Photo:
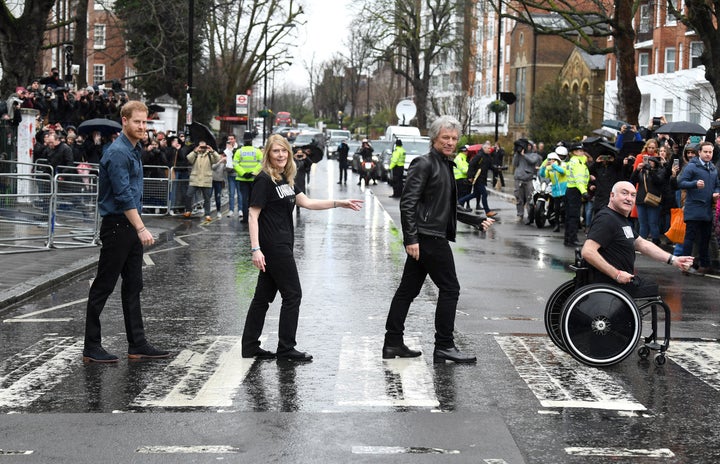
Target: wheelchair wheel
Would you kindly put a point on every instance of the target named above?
(553, 309)
(600, 325)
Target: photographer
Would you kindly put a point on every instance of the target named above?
(649, 177)
(628, 133)
(201, 158)
(303, 165)
(526, 166)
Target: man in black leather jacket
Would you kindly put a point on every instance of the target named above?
(428, 217)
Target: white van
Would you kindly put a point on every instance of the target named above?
(333, 137)
(400, 132)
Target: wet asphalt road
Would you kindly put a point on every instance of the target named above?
(525, 400)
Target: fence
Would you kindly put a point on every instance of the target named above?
(41, 209)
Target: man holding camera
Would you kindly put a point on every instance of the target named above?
(201, 158)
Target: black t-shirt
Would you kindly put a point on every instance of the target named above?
(275, 224)
(616, 237)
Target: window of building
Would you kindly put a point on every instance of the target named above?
(670, 19)
(670, 60)
(645, 19)
(98, 73)
(520, 93)
(643, 64)
(696, 49)
(668, 110)
(99, 36)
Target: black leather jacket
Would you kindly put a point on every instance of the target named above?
(429, 199)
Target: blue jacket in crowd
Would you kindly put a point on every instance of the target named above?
(698, 202)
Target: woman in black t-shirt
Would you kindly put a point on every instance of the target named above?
(274, 196)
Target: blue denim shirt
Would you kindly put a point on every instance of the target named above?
(121, 178)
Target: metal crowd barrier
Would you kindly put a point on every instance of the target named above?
(41, 209)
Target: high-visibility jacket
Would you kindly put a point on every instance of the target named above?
(557, 173)
(247, 159)
(461, 166)
(398, 158)
(578, 175)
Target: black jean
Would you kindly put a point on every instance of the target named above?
(436, 260)
(280, 275)
(698, 232)
(121, 255)
(343, 170)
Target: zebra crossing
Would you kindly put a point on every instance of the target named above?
(209, 373)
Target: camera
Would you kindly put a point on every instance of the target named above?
(656, 121)
(715, 124)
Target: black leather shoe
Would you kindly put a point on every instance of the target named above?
(260, 354)
(573, 243)
(452, 354)
(98, 355)
(556, 229)
(147, 351)
(402, 351)
(294, 355)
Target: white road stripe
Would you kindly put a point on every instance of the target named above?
(620, 452)
(207, 376)
(199, 449)
(365, 379)
(36, 370)
(60, 319)
(47, 310)
(400, 450)
(558, 381)
(15, 452)
(701, 359)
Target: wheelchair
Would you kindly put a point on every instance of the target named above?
(601, 324)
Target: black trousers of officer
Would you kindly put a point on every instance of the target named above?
(343, 164)
(121, 255)
(397, 173)
(573, 205)
(280, 275)
(436, 260)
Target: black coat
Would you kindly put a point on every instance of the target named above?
(429, 199)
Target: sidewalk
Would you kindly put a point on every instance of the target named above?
(25, 274)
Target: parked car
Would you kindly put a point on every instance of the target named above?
(304, 138)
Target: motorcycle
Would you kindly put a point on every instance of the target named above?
(368, 170)
(539, 211)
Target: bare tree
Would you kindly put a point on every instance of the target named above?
(248, 39)
(585, 24)
(20, 41)
(412, 37)
(359, 58)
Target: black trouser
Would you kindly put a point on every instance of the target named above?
(121, 255)
(436, 260)
(698, 232)
(573, 205)
(397, 173)
(343, 170)
(280, 274)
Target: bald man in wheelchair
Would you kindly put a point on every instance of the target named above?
(612, 242)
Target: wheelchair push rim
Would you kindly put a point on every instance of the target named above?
(553, 310)
(600, 325)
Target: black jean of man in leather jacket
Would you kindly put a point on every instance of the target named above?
(429, 199)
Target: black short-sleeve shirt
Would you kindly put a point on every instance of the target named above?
(276, 201)
(615, 234)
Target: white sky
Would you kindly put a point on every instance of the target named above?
(323, 35)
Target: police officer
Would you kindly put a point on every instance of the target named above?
(247, 163)
(397, 166)
(578, 177)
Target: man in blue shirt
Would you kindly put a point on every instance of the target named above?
(123, 236)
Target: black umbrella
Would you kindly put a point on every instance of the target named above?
(200, 132)
(681, 128)
(106, 127)
(596, 146)
(154, 108)
(614, 124)
(317, 148)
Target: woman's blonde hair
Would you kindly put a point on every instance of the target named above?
(290, 169)
(649, 141)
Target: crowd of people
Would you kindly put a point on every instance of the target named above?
(670, 178)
